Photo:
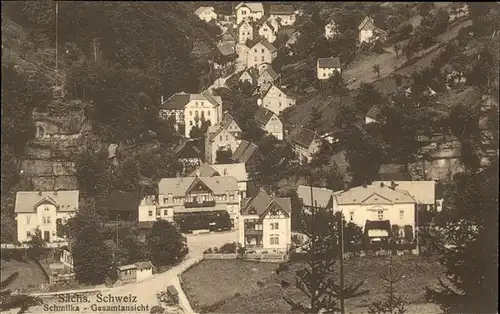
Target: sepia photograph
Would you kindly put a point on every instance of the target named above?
(182, 157)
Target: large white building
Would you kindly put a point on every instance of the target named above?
(325, 67)
(266, 223)
(249, 11)
(44, 211)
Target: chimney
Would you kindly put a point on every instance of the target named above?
(346, 186)
(393, 185)
(198, 173)
(365, 184)
(161, 99)
(381, 184)
(39, 193)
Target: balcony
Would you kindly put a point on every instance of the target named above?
(199, 204)
(251, 232)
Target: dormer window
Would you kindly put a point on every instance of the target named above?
(46, 209)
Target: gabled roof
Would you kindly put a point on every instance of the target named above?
(253, 6)
(186, 149)
(205, 170)
(374, 112)
(275, 87)
(228, 34)
(177, 101)
(424, 192)
(322, 197)
(253, 72)
(262, 202)
(263, 115)
(262, 20)
(244, 152)
(65, 201)
(213, 131)
(365, 21)
(233, 170)
(329, 62)
(267, 45)
(200, 10)
(214, 100)
(373, 194)
(243, 22)
(271, 72)
(303, 137)
(179, 186)
(283, 9)
(119, 201)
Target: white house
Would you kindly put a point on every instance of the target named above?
(277, 100)
(245, 32)
(261, 52)
(368, 31)
(266, 223)
(331, 30)
(144, 270)
(206, 14)
(366, 204)
(266, 30)
(237, 170)
(325, 67)
(266, 78)
(250, 75)
(269, 122)
(249, 10)
(424, 192)
(305, 143)
(284, 13)
(45, 211)
(222, 137)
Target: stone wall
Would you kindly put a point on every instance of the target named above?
(55, 183)
(220, 256)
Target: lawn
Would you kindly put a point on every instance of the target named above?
(30, 274)
(231, 286)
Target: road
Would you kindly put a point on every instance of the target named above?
(146, 290)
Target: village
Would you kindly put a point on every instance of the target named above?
(348, 143)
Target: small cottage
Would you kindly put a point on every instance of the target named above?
(144, 270)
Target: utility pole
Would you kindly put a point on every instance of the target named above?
(57, 28)
(341, 239)
(314, 279)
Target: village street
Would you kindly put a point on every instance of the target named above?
(145, 291)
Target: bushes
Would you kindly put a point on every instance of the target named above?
(228, 248)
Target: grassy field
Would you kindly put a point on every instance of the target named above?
(231, 286)
(30, 274)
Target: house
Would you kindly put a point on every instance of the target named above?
(67, 257)
(284, 14)
(245, 32)
(250, 75)
(228, 36)
(277, 100)
(222, 137)
(266, 78)
(373, 115)
(331, 29)
(245, 153)
(119, 205)
(249, 10)
(424, 192)
(184, 197)
(322, 197)
(265, 223)
(127, 273)
(190, 109)
(261, 52)
(266, 29)
(187, 153)
(206, 14)
(47, 211)
(144, 270)
(368, 32)
(294, 38)
(269, 122)
(305, 143)
(225, 56)
(325, 67)
(237, 171)
(384, 205)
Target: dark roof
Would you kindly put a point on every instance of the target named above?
(205, 170)
(263, 115)
(253, 72)
(226, 49)
(271, 72)
(262, 20)
(329, 62)
(281, 9)
(378, 225)
(266, 44)
(244, 152)
(263, 201)
(374, 112)
(119, 201)
(176, 101)
(394, 172)
(303, 137)
(186, 149)
(143, 265)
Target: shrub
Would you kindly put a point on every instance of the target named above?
(157, 310)
(241, 250)
(228, 248)
(282, 267)
(216, 250)
(264, 252)
(208, 251)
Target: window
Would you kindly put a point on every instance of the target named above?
(44, 219)
(48, 219)
(262, 50)
(221, 137)
(28, 220)
(191, 113)
(165, 212)
(227, 138)
(196, 103)
(208, 113)
(255, 58)
(351, 214)
(280, 104)
(324, 74)
(275, 225)
(255, 50)
(380, 215)
(46, 209)
(191, 123)
(275, 239)
(401, 214)
(262, 59)
(150, 213)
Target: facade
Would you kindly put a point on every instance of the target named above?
(267, 31)
(45, 211)
(305, 143)
(376, 203)
(127, 273)
(325, 67)
(261, 52)
(322, 197)
(330, 30)
(372, 116)
(206, 14)
(119, 205)
(144, 270)
(186, 195)
(266, 223)
(249, 11)
(222, 137)
(285, 14)
(368, 32)
(269, 122)
(266, 78)
(67, 258)
(249, 75)
(276, 100)
(237, 170)
(424, 192)
(245, 32)
(245, 153)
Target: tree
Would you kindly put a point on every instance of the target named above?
(86, 166)
(158, 165)
(471, 259)
(376, 69)
(440, 22)
(129, 175)
(36, 244)
(224, 157)
(315, 118)
(425, 8)
(166, 244)
(367, 97)
(365, 154)
(397, 49)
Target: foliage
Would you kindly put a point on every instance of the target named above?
(166, 244)
(36, 244)
(9, 301)
(157, 165)
(376, 69)
(470, 223)
(229, 248)
(10, 168)
(367, 97)
(315, 118)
